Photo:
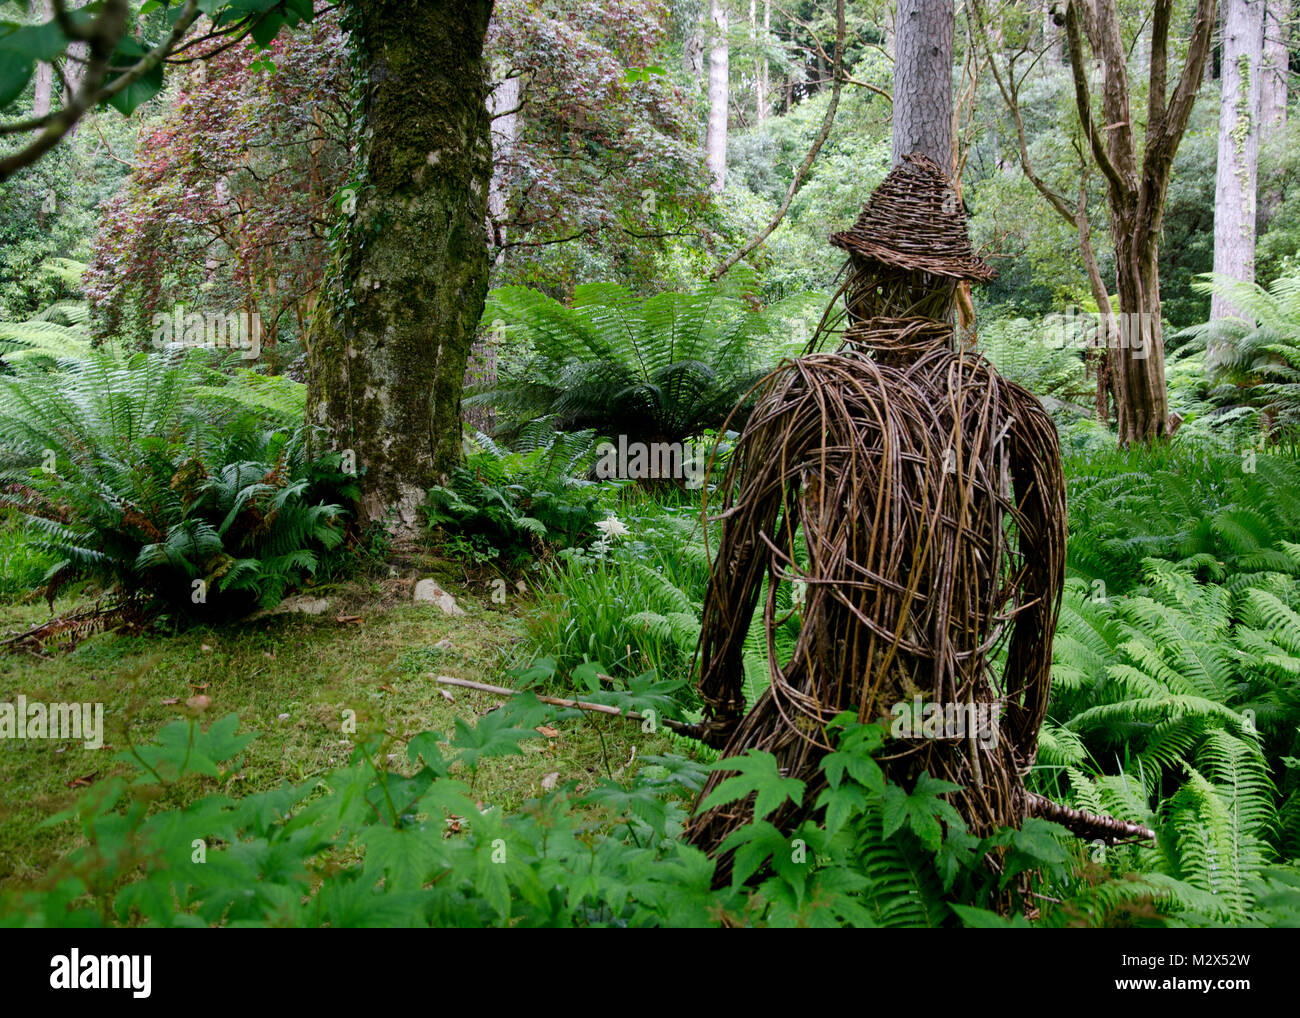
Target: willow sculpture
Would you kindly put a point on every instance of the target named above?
(918, 499)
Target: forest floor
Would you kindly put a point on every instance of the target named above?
(289, 676)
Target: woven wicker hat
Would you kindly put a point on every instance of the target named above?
(913, 221)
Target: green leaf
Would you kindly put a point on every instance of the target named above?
(754, 844)
(425, 747)
(921, 810)
(982, 918)
(35, 42)
(139, 91)
(405, 856)
(15, 71)
(252, 6)
(266, 28)
(854, 756)
(492, 736)
(758, 774)
(640, 802)
(840, 804)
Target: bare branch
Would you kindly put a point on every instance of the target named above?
(1083, 99)
(1011, 98)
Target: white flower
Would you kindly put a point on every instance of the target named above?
(612, 527)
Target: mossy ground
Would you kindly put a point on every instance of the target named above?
(379, 662)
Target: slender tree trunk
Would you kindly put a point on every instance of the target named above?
(715, 138)
(1236, 177)
(1274, 82)
(44, 72)
(762, 62)
(963, 111)
(44, 80)
(390, 342)
(753, 48)
(1275, 72)
(503, 104)
(1052, 44)
(923, 80)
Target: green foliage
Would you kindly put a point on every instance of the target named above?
(44, 341)
(1053, 373)
(276, 398)
(125, 479)
(1260, 363)
(430, 856)
(658, 369)
(1189, 689)
(1224, 511)
(22, 565)
(1278, 242)
(509, 506)
(631, 603)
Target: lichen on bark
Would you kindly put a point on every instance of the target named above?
(407, 285)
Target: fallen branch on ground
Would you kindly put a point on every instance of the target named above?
(1088, 826)
(1081, 823)
(680, 727)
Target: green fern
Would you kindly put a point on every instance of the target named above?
(125, 479)
(1182, 685)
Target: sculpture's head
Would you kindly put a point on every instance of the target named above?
(909, 248)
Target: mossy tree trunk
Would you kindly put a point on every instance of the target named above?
(406, 290)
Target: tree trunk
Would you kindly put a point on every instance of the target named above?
(1275, 73)
(923, 80)
(406, 292)
(1135, 349)
(503, 104)
(44, 72)
(693, 54)
(1053, 49)
(762, 62)
(1136, 193)
(1236, 177)
(715, 138)
(1274, 81)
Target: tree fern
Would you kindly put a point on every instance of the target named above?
(1261, 355)
(274, 397)
(661, 368)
